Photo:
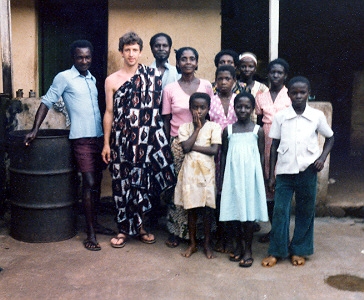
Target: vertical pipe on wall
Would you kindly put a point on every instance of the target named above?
(273, 29)
(5, 35)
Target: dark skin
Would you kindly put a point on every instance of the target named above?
(247, 69)
(199, 109)
(225, 82)
(161, 50)
(243, 109)
(277, 76)
(91, 181)
(299, 93)
(188, 82)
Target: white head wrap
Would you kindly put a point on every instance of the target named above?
(250, 55)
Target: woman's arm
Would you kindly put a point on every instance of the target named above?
(272, 163)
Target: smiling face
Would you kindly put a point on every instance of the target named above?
(224, 81)
(82, 60)
(243, 108)
(161, 49)
(277, 75)
(131, 54)
(188, 62)
(298, 93)
(247, 67)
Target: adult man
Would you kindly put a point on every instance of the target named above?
(135, 142)
(78, 89)
(161, 44)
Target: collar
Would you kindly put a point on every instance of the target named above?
(75, 73)
(154, 65)
(307, 113)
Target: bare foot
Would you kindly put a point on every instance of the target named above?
(190, 250)
(209, 253)
(269, 261)
(298, 260)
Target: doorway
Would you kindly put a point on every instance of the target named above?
(60, 23)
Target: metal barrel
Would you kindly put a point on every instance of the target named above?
(42, 187)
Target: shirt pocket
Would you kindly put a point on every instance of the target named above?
(312, 148)
(283, 154)
(282, 149)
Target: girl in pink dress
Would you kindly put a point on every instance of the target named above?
(268, 104)
(222, 112)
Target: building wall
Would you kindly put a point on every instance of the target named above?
(195, 23)
(24, 46)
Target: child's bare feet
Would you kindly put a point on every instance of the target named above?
(190, 250)
(209, 253)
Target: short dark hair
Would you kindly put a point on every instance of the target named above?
(130, 38)
(80, 44)
(232, 53)
(154, 37)
(179, 53)
(200, 95)
(247, 95)
(299, 79)
(279, 61)
(227, 68)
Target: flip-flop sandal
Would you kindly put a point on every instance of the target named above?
(269, 261)
(298, 260)
(235, 258)
(119, 237)
(246, 263)
(91, 245)
(143, 240)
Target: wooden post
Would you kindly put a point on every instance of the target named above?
(273, 29)
(5, 35)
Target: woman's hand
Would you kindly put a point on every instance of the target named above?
(106, 154)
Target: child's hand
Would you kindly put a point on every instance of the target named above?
(319, 164)
(271, 184)
(197, 121)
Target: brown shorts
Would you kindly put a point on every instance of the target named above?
(87, 152)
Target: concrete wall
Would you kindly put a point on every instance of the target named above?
(24, 46)
(195, 23)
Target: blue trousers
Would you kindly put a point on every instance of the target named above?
(304, 185)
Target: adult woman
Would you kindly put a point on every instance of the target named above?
(175, 112)
(248, 66)
(268, 104)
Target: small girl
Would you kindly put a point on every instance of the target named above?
(243, 193)
(195, 189)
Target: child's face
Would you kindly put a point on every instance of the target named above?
(243, 108)
(247, 67)
(224, 81)
(299, 93)
(200, 107)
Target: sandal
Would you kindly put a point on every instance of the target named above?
(269, 261)
(298, 260)
(91, 245)
(120, 237)
(246, 263)
(146, 240)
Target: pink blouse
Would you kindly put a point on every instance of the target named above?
(217, 113)
(176, 102)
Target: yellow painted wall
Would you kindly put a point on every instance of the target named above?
(194, 23)
(24, 46)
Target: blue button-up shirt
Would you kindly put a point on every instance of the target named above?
(79, 94)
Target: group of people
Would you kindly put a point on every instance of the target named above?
(225, 155)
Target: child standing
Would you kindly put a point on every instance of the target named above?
(242, 162)
(295, 155)
(195, 189)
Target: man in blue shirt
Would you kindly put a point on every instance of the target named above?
(77, 87)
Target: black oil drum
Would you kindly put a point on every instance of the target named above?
(42, 187)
